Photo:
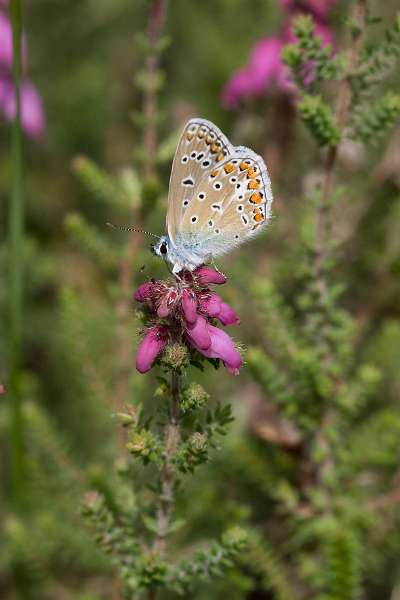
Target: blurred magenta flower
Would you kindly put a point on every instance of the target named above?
(265, 70)
(182, 311)
(32, 113)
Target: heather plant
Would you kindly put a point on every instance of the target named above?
(176, 478)
(322, 393)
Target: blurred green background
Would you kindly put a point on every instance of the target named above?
(85, 59)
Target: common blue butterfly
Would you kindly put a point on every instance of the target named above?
(219, 197)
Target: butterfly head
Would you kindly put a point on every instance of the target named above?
(161, 247)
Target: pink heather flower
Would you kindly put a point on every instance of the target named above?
(222, 347)
(182, 311)
(265, 70)
(213, 306)
(198, 333)
(6, 44)
(32, 114)
(2, 389)
(189, 306)
(206, 275)
(150, 347)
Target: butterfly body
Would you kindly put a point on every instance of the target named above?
(219, 197)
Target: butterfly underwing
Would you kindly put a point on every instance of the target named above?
(219, 197)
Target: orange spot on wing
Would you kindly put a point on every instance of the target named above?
(220, 156)
(258, 218)
(254, 184)
(243, 166)
(251, 173)
(229, 167)
(214, 173)
(209, 139)
(189, 136)
(256, 198)
(214, 148)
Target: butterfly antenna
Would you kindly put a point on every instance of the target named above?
(122, 228)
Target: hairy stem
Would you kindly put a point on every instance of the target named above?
(126, 270)
(323, 217)
(172, 435)
(343, 102)
(16, 241)
(157, 16)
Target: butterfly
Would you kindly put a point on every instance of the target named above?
(219, 197)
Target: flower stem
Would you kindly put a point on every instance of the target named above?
(323, 217)
(172, 435)
(149, 140)
(16, 239)
(158, 9)
(343, 103)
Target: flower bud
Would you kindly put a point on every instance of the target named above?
(194, 397)
(176, 356)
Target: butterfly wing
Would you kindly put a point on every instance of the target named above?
(201, 147)
(216, 206)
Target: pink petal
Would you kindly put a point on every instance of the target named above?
(144, 292)
(150, 347)
(198, 334)
(222, 347)
(237, 88)
(206, 275)
(189, 306)
(32, 115)
(6, 44)
(266, 63)
(163, 308)
(211, 304)
(227, 315)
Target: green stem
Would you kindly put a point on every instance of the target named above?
(172, 435)
(16, 233)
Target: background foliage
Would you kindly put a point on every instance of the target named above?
(310, 466)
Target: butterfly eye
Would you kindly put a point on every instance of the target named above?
(163, 248)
